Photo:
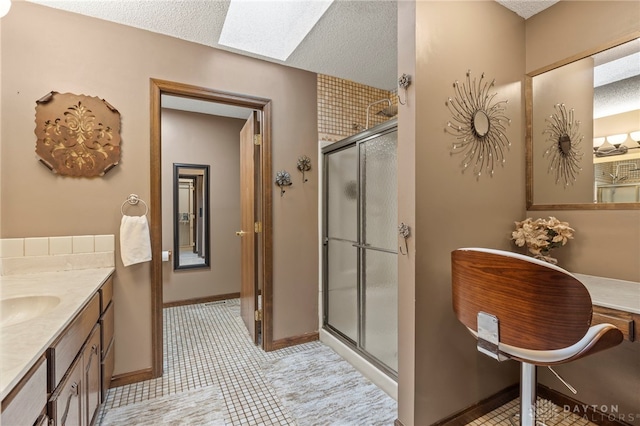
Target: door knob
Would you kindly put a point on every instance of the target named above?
(240, 233)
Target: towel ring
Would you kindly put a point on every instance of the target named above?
(133, 199)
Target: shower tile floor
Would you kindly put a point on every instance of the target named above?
(214, 375)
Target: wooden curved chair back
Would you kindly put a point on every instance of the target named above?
(539, 307)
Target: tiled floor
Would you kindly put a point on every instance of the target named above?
(207, 348)
(547, 412)
(214, 375)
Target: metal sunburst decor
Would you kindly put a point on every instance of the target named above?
(478, 123)
(564, 140)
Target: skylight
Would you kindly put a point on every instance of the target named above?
(271, 28)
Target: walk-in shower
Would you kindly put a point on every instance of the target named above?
(360, 244)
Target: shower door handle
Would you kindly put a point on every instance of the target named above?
(370, 247)
(361, 245)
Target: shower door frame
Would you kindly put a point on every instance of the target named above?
(355, 140)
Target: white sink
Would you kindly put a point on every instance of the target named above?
(15, 310)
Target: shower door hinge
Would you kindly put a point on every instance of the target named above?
(257, 227)
(257, 139)
(258, 315)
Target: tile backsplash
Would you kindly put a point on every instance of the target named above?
(47, 254)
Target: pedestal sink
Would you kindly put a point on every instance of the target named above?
(15, 310)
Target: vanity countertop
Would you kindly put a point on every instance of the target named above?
(611, 293)
(23, 343)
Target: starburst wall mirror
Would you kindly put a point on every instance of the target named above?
(595, 97)
(478, 124)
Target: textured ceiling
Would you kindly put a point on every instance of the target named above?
(355, 39)
(527, 8)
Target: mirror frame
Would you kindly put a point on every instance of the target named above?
(176, 232)
(528, 93)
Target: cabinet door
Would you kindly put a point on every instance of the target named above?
(106, 330)
(91, 359)
(65, 405)
(43, 420)
(66, 348)
(27, 400)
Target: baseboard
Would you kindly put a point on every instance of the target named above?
(197, 300)
(295, 340)
(132, 377)
(572, 406)
(481, 408)
(568, 404)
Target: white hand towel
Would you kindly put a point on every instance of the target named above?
(135, 243)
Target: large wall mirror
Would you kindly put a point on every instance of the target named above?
(190, 216)
(583, 131)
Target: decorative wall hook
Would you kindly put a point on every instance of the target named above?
(304, 165)
(405, 232)
(403, 82)
(283, 178)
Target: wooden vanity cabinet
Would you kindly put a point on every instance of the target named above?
(106, 337)
(77, 376)
(92, 375)
(627, 322)
(66, 348)
(26, 402)
(66, 407)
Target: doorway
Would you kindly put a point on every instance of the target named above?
(262, 257)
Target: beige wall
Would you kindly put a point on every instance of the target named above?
(452, 209)
(193, 138)
(611, 377)
(1, 129)
(624, 122)
(572, 27)
(407, 213)
(44, 49)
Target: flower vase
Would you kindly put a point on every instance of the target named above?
(545, 256)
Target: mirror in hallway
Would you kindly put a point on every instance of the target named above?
(190, 216)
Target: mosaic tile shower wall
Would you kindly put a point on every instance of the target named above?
(620, 171)
(616, 180)
(342, 107)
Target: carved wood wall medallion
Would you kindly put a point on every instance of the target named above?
(77, 135)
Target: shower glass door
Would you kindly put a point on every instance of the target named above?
(340, 241)
(360, 254)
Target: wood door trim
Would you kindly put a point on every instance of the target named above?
(266, 195)
(157, 89)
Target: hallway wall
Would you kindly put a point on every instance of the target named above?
(45, 49)
(189, 137)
